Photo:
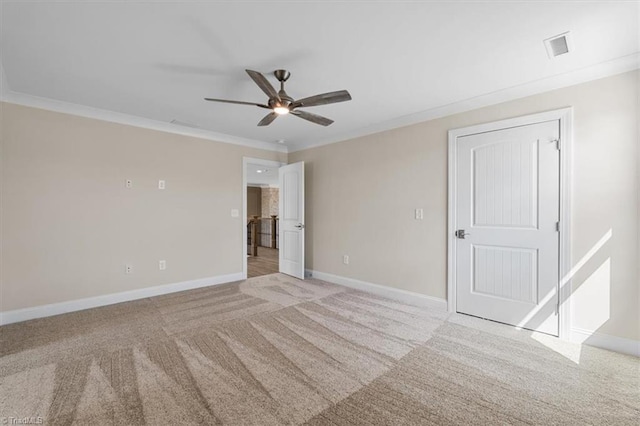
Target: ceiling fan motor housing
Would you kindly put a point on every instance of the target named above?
(285, 100)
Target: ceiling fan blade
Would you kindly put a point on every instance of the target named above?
(237, 102)
(323, 99)
(264, 84)
(314, 118)
(268, 119)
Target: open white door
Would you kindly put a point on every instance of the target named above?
(291, 232)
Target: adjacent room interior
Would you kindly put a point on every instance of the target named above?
(262, 219)
(323, 213)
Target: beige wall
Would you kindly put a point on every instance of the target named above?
(69, 225)
(361, 195)
(254, 201)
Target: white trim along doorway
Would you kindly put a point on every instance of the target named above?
(456, 136)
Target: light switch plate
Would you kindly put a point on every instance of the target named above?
(419, 214)
(161, 184)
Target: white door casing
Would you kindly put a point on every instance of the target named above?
(507, 200)
(291, 233)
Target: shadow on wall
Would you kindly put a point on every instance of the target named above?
(590, 278)
(591, 294)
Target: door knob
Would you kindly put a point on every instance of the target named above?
(461, 234)
(300, 226)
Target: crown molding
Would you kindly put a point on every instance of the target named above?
(17, 98)
(583, 75)
(570, 78)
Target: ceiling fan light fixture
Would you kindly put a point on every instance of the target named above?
(280, 110)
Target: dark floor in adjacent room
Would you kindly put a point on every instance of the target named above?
(265, 263)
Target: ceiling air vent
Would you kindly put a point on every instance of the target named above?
(559, 45)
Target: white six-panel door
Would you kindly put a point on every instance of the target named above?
(507, 210)
(291, 233)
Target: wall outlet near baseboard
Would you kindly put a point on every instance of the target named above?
(345, 259)
(128, 269)
(162, 265)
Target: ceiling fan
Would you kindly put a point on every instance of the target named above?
(280, 103)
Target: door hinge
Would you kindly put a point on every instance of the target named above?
(557, 141)
(558, 226)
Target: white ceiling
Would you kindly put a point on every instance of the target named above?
(399, 60)
(267, 177)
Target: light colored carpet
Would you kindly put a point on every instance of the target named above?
(275, 350)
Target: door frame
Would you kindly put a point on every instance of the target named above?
(245, 162)
(565, 116)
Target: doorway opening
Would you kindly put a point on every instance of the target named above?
(261, 212)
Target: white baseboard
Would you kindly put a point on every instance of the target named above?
(605, 341)
(18, 315)
(408, 297)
